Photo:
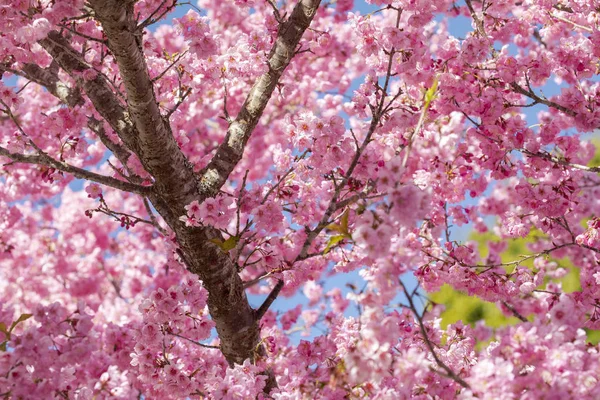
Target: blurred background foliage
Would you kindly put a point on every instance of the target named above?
(470, 309)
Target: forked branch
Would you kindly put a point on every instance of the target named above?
(231, 150)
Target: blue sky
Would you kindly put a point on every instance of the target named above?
(459, 27)
(340, 280)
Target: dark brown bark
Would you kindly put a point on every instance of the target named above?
(231, 150)
(72, 97)
(227, 302)
(145, 132)
(48, 77)
(97, 89)
(80, 173)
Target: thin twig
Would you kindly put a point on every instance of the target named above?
(206, 346)
(557, 160)
(449, 372)
(333, 203)
(289, 171)
(540, 100)
(153, 217)
(585, 28)
(256, 280)
(260, 312)
(159, 76)
(93, 39)
(179, 102)
(275, 11)
(478, 22)
(360, 196)
(126, 220)
(239, 203)
(514, 262)
(44, 159)
(514, 312)
(151, 20)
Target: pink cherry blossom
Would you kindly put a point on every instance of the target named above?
(94, 191)
(246, 199)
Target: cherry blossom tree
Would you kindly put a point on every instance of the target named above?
(265, 148)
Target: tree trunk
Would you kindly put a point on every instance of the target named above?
(148, 134)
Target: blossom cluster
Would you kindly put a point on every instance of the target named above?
(386, 136)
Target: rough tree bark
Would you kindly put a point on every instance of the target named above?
(147, 134)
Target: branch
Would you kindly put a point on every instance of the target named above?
(514, 311)
(156, 147)
(153, 218)
(126, 220)
(231, 150)
(551, 158)
(560, 7)
(254, 281)
(276, 12)
(285, 175)
(178, 103)
(449, 373)
(568, 21)
(377, 111)
(177, 59)
(529, 93)
(80, 173)
(522, 258)
(260, 312)
(334, 202)
(538, 99)
(119, 151)
(176, 184)
(44, 159)
(478, 21)
(206, 346)
(97, 89)
(364, 195)
(91, 38)
(151, 18)
(48, 78)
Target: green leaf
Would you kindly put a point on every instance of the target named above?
(344, 221)
(230, 243)
(361, 209)
(462, 307)
(3, 345)
(334, 240)
(23, 317)
(227, 245)
(3, 327)
(342, 227)
(593, 336)
(431, 93)
(595, 161)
